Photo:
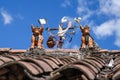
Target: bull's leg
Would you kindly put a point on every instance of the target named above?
(91, 42)
(32, 42)
(83, 45)
(40, 41)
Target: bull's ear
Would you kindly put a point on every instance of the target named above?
(41, 29)
(32, 27)
(81, 27)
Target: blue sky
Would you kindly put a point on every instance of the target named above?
(16, 17)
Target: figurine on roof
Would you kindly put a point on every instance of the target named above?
(86, 39)
(37, 37)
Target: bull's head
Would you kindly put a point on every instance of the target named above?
(85, 30)
(37, 31)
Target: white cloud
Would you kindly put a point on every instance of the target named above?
(105, 29)
(66, 3)
(109, 28)
(6, 16)
(110, 7)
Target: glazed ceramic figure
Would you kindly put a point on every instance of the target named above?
(37, 37)
(87, 40)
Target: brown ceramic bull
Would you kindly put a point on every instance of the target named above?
(87, 40)
(37, 37)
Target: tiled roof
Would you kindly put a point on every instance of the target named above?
(18, 64)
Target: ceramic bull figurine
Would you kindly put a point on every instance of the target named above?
(37, 37)
(87, 40)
